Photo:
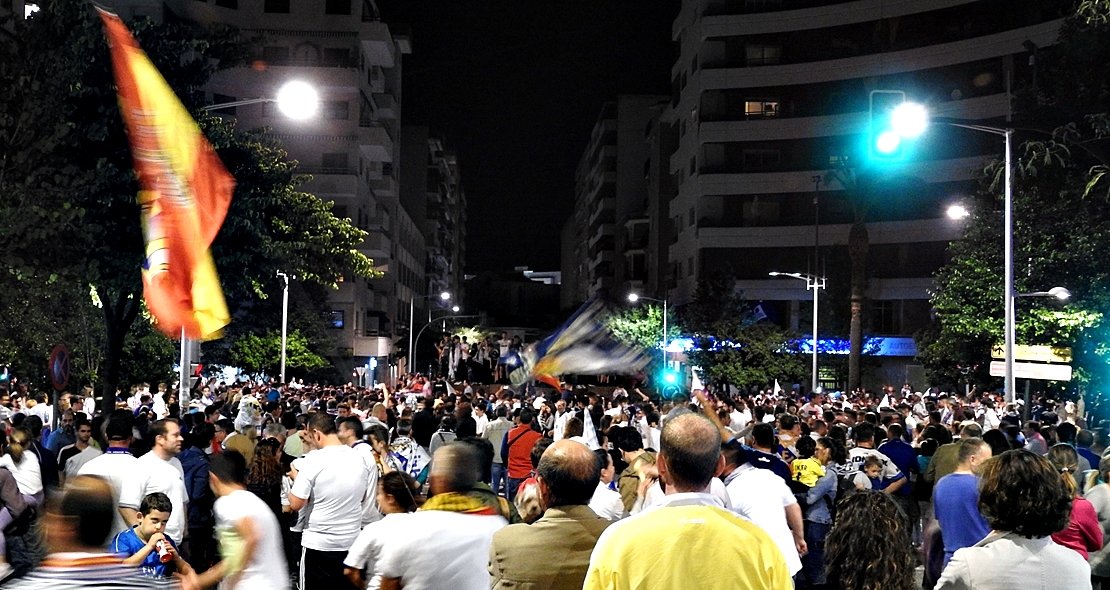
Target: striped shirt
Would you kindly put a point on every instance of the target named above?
(66, 571)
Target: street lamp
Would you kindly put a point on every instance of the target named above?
(957, 211)
(284, 319)
(910, 120)
(1060, 293)
(633, 298)
(296, 100)
(444, 296)
(812, 282)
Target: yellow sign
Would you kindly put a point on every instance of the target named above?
(1043, 354)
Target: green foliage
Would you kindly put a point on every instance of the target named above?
(760, 353)
(258, 354)
(148, 355)
(1061, 225)
(67, 194)
(641, 326)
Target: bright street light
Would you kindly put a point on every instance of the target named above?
(888, 142)
(455, 309)
(297, 100)
(958, 211)
(1060, 293)
(445, 296)
(633, 297)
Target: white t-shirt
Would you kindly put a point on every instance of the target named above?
(434, 550)
(28, 475)
(480, 422)
(113, 466)
(152, 474)
(367, 550)
(267, 569)
(504, 346)
(73, 464)
(333, 480)
(607, 503)
(762, 497)
(370, 510)
(858, 455)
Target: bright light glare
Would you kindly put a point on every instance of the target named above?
(888, 142)
(670, 377)
(958, 212)
(1060, 293)
(297, 100)
(455, 309)
(29, 9)
(909, 119)
(633, 297)
(445, 296)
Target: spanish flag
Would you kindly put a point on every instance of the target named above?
(184, 196)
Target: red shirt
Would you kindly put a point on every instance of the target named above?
(521, 439)
(1083, 532)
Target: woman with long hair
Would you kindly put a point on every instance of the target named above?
(264, 476)
(1025, 501)
(818, 516)
(397, 493)
(869, 546)
(1083, 532)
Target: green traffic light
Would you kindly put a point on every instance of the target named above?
(670, 377)
(888, 142)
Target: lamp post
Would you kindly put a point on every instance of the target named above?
(444, 296)
(910, 120)
(284, 319)
(812, 282)
(295, 99)
(633, 297)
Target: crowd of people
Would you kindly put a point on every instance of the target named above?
(434, 484)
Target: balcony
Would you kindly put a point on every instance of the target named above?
(377, 44)
(374, 141)
(367, 346)
(886, 232)
(387, 105)
(603, 206)
(605, 229)
(727, 17)
(384, 187)
(377, 246)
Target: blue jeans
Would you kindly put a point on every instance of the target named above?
(813, 562)
(500, 478)
(514, 485)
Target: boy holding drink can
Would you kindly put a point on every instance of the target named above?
(146, 544)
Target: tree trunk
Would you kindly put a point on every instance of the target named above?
(858, 244)
(119, 314)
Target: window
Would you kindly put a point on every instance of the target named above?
(693, 165)
(276, 6)
(221, 99)
(336, 57)
(335, 162)
(690, 266)
(682, 129)
(762, 159)
(339, 211)
(694, 64)
(275, 55)
(337, 7)
(232, 4)
(335, 319)
(763, 55)
(755, 109)
(336, 109)
(886, 316)
(692, 217)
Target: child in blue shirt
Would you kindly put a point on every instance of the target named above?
(139, 544)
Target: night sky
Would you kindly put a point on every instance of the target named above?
(515, 87)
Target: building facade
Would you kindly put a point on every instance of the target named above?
(607, 235)
(771, 100)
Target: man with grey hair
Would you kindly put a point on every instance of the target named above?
(688, 529)
(567, 476)
(446, 543)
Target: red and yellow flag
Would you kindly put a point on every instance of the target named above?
(185, 194)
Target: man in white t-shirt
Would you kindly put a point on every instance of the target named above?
(763, 498)
(332, 482)
(350, 433)
(243, 521)
(158, 471)
(864, 435)
(446, 543)
(114, 465)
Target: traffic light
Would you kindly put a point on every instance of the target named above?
(885, 144)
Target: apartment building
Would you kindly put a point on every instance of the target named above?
(769, 96)
(607, 235)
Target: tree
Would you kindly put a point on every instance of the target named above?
(261, 354)
(67, 186)
(753, 354)
(1061, 222)
(641, 326)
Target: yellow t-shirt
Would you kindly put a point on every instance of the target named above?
(807, 471)
(686, 546)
